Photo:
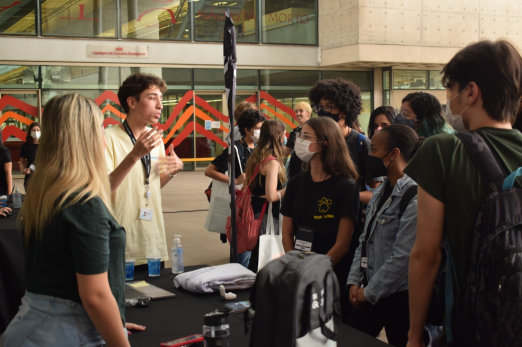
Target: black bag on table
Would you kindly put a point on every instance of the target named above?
(296, 302)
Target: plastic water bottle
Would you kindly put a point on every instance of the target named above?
(17, 198)
(177, 256)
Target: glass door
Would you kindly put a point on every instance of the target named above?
(211, 127)
(18, 109)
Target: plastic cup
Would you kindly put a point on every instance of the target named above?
(154, 265)
(129, 269)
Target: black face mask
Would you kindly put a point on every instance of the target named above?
(375, 166)
(323, 113)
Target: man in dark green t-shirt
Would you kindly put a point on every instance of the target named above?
(485, 82)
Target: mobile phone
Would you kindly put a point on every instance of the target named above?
(238, 307)
(189, 340)
(31, 167)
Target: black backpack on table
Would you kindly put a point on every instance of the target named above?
(488, 311)
(296, 302)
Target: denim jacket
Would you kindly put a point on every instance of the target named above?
(389, 245)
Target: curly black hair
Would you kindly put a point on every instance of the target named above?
(343, 93)
(248, 119)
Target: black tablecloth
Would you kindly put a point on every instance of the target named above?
(174, 318)
(11, 270)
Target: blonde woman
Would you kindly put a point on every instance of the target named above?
(75, 250)
(267, 185)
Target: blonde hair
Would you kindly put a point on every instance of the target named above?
(269, 145)
(303, 105)
(71, 162)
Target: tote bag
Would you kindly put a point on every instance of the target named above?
(271, 243)
(219, 208)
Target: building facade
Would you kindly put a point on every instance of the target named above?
(389, 48)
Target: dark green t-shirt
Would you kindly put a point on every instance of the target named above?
(83, 238)
(443, 168)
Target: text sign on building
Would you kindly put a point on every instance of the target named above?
(111, 51)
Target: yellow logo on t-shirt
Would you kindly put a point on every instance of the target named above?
(324, 205)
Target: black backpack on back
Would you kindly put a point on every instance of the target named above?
(296, 302)
(488, 311)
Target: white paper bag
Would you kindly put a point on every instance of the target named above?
(219, 208)
(270, 244)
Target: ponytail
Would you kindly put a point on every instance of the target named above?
(404, 138)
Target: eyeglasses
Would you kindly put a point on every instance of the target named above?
(327, 108)
(406, 113)
(303, 136)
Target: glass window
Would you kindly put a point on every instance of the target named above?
(17, 17)
(386, 80)
(80, 77)
(155, 20)
(209, 20)
(177, 78)
(180, 120)
(74, 18)
(16, 76)
(288, 80)
(436, 80)
(410, 79)
(386, 97)
(214, 79)
(289, 22)
(363, 79)
(280, 105)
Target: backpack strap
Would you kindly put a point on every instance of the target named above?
(360, 140)
(410, 193)
(258, 168)
(486, 161)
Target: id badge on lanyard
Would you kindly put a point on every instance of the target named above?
(145, 213)
(304, 238)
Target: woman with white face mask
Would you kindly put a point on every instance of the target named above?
(28, 151)
(321, 205)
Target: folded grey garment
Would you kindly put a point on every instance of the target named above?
(207, 280)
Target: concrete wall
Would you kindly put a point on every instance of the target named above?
(435, 29)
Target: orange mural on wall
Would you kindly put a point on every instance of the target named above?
(177, 119)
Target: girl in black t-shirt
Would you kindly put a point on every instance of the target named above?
(267, 185)
(28, 151)
(322, 203)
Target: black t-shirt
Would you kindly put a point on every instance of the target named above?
(321, 205)
(5, 157)
(358, 156)
(290, 143)
(295, 166)
(83, 238)
(258, 189)
(244, 152)
(28, 152)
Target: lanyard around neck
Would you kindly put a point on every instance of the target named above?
(146, 159)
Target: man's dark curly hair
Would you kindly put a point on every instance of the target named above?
(135, 84)
(343, 93)
(248, 119)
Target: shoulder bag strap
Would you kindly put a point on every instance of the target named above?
(486, 162)
(239, 159)
(410, 193)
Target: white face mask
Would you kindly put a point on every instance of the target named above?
(455, 120)
(256, 135)
(301, 150)
(35, 134)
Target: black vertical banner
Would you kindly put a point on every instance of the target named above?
(230, 59)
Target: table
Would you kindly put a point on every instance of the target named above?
(12, 287)
(174, 318)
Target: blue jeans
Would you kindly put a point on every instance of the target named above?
(244, 258)
(49, 321)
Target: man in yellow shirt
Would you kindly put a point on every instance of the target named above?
(139, 168)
